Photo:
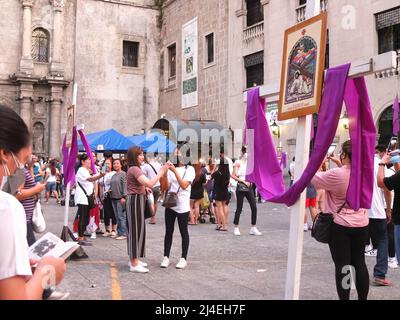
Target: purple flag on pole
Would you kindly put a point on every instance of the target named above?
(69, 159)
(88, 150)
(362, 135)
(268, 178)
(396, 116)
(267, 174)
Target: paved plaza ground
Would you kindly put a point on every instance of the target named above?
(221, 266)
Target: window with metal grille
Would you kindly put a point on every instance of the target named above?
(388, 27)
(130, 53)
(255, 12)
(172, 61)
(254, 65)
(210, 48)
(40, 45)
(301, 2)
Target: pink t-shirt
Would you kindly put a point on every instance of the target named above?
(133, 184)
(335, 183)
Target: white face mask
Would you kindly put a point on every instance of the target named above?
(11, 182)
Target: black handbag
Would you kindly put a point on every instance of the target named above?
(321, 230)
(91, 198)
(242, 187)
(148, 209)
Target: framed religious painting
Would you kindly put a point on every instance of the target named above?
(303, 68)
(70, 125)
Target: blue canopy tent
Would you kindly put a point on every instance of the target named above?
(153, 142)
(108, 140)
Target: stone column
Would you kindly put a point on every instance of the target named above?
(26, 98)
(26, 63)
(56, 67)
(55, 120)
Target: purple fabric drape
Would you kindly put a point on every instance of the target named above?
(396, 116)
(69, 159)
(362, 136)
(88, 150)
(267, 174)
(283, 160)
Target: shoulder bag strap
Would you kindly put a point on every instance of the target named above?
(82, 188)
(152, 168)
(341, 208)
(182, 179)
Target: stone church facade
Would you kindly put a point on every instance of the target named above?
(109, 48)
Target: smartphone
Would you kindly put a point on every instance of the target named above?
(392, 144)
(331, 149)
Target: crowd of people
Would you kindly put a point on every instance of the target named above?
(125, 192)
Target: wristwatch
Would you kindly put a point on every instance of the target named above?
(382, 164)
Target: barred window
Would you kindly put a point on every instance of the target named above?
(388, 27)
(254, 65)
(130, 54)
(172, 61)
(210, 48)
(40, 45)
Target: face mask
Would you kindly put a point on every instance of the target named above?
(12, 182)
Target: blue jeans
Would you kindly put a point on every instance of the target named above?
(120, 214)
(397, 240)
(379, 237)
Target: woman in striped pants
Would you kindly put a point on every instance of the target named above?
(137, 187)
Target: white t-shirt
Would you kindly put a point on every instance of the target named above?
(14, 258)
(106, 181)
(241, 173)
(149, 172)
(378, 204)
(51, 177)
(183, 203)
(81, 176)
(291, 168)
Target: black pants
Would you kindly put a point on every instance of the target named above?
(239, 206)
(391, 246)
(109, 213)
(347, 249)
(183, 220)
(83, 213)
(30, 236)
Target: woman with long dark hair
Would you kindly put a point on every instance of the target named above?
(221, 178)
(197, 194)
(137, 186)
(84, 188)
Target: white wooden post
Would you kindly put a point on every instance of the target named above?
(68, 188)
(297, 212)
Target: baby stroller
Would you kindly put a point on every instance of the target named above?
(205, 209)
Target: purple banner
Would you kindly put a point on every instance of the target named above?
(396, 116)
(88, 150)
(69, 159)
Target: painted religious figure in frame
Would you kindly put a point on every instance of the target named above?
(303, 68)
(70, 125)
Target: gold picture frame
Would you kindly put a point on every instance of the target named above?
(303, 68)
(70, 125)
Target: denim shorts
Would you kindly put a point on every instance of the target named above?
(51, 186)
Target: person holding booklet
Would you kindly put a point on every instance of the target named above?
(18, 280)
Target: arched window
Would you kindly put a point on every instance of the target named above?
(385, 126)
(40, 45)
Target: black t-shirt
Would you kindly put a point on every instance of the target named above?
(393, 183)
(198, 188)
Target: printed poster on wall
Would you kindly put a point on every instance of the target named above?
(189, 64)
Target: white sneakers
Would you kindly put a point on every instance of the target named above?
(165, 263)
(93, 235)
(139, 269)
(392, 263)
(254, 232)
(181, 264)
(305, 228)
(143, 264)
